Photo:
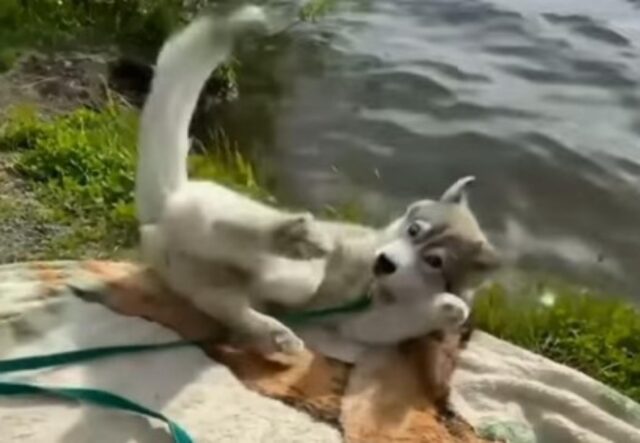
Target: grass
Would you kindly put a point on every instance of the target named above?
(314, 10)
(132, 26)
(227, 166)
(82, 165)
(596, 333)
(41, 24)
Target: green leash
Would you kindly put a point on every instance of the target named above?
(112, 401)
(86, 395)
(99, 398)
(302, 317)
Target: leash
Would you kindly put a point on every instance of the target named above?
(351, 307)
(109, 400)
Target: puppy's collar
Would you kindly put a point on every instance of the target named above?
(359, 304)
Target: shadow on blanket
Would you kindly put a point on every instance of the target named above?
(391, 396)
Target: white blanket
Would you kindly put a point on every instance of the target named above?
(504, 391)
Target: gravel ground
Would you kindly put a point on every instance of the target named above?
(24, 229)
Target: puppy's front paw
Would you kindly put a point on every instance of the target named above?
(300, 238)
(451, 311)
(287, 342)
(274, 337)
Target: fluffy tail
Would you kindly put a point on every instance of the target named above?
(184, 64)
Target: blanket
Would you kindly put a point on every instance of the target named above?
(499, 392)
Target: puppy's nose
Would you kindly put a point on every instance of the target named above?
(384, 266)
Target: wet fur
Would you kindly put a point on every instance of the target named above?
(231, 255)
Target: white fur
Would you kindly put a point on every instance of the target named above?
(224, 251)
(395, 322)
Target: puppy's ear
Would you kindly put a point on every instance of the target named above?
(457, 192)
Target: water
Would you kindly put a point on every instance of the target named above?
(388, 101)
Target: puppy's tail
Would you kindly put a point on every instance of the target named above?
(185, 62)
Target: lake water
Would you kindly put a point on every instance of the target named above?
(387, 101)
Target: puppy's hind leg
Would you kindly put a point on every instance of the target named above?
(300, 237)
(295, 236)
(231, 307)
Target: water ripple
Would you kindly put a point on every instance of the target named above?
(589, 28)
(538, 98)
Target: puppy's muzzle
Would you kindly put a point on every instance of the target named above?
(383, 266)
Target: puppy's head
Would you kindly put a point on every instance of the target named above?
(436, 246)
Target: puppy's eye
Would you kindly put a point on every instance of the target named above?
(435, 261)
(414, 230)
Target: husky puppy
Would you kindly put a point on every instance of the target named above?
(232, 256)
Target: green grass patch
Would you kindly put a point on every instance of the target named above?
(227, 166)
(596, 333)
(81, 166)
(133, 26)
(8, 57)
(142, 24)
(315, 9)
